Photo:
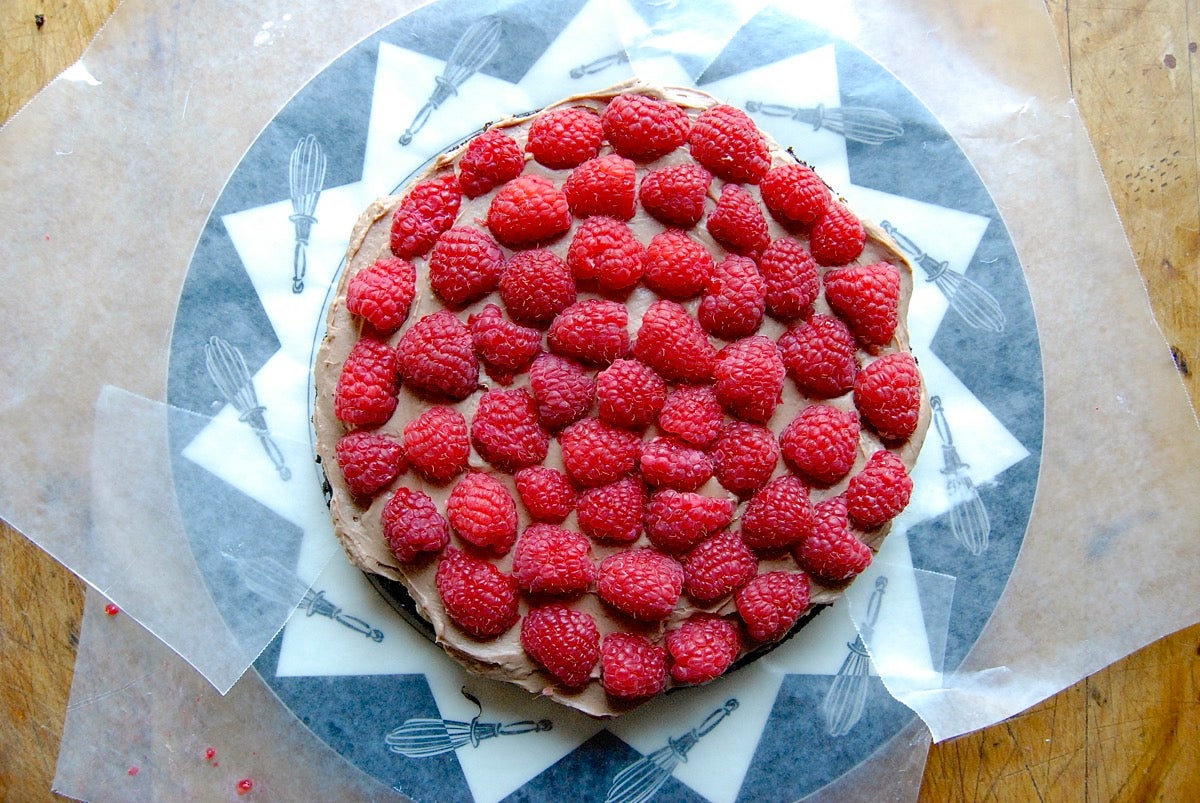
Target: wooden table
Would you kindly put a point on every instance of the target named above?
(1129, 732)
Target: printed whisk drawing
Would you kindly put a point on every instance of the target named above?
(976, 306)
(968, 517)
(422, 737)
(227, 369)
(855, 123)
(847, 696)
(269, 579)
(306, 178)
(474, 49)
(642, 779)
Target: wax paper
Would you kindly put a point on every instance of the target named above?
(1110, 556)
(114, 169)
(142, 724)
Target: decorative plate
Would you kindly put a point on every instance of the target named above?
(370, 683)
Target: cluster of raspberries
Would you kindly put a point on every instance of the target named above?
(675, 462)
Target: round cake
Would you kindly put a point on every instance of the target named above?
(621, 392)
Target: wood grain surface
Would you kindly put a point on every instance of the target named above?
(1130, 732)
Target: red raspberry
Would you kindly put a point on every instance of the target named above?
(483, 513)
(413, 526)
(744, 457)
(702, 648)
(630, 394)
(367, 387)
(551, 560)
(779, 515)
(676, 265)
(561, 138)
(564, 641)
(631, 668)
(528, 210)
(479, 598)
(563, 390)
(737, 222)
(735, 298)
(535, 286)
(668, 463)
(868, 298)
(369, 462)
(382, 293)
(437, 444)
(595, 453)
(878, 492)
(504, 347)
(726, 141)
(838, 236)
(772, 603)
(832, 552)
(491, 158)
(506, 431)
(643, 584)
(593, 331)
(465, 265)
(717, 567)
(606, 252)
(795, 193)
(437, 358)
(675, 195)
(428, 210)
(793, 282)
(613, 513)
(749, 378)
(678, 520)
(673, 343)
(693, 415)
(821, 443)
(644, 128)
(821, 356)
(546, 493)
(606, 185)
(887, 393)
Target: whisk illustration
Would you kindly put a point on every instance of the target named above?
(847, 696)
(306, 177)
(269, 579)
(973, 304)
(227, 369)
(855, 123)
(422, 738)
(475, 48)
(640, 780)
(968, 517)
(600, 64)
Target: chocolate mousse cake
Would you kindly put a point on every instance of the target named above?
(620, 392)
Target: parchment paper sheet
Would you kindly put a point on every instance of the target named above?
(1109, 561)
(140, 722)
(110, 174)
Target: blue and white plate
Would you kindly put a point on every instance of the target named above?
(365, 680)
